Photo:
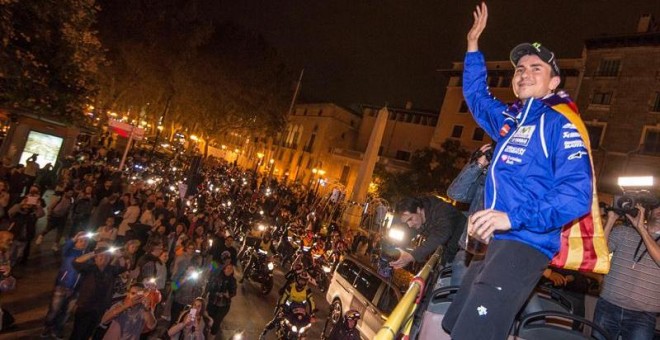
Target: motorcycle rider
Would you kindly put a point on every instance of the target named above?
(266, 244)
(298, 292)
(291, 275)
(346, 330)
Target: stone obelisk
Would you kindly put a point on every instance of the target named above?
(359, 193)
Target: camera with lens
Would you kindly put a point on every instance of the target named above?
(636, 191)
(626, 204)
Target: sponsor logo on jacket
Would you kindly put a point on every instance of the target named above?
(522, 135)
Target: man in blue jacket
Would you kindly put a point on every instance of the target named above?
(538, 181)
(65, 291)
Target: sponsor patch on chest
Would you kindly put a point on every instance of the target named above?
(522, 135)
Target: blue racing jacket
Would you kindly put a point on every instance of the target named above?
(540, 174)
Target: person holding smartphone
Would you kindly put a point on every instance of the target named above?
(192, 324)
(130, 317)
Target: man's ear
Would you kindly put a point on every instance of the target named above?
(554, 82)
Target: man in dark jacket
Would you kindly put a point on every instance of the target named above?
(65, 292)
(96, 288)
(221, 288)
(23, 220)
(440, 222)
(147, 263)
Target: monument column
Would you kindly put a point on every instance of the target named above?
(353, 213)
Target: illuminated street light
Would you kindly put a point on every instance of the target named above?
(194, 138)
(642, 181)
(260, 155)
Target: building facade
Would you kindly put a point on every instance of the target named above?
(620, 103)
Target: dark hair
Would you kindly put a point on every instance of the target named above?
(136, 285)
(409, 204)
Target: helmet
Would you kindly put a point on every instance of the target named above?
(352, 315)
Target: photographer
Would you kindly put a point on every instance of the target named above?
(99, 269)
(438, 221)
(128, 318)
(630, 299)
(23, 224)
(468, 187)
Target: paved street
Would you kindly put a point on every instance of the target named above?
(249, 313)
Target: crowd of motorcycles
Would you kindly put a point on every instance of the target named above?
(294, 245)
(263, 215)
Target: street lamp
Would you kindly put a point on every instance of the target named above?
(260, 155)
(320, 172)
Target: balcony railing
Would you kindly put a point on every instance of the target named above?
(400, 320)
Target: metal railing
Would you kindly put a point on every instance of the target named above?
(401, 318)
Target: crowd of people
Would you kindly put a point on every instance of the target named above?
(159, 240)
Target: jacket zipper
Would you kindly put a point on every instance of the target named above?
(492, 166)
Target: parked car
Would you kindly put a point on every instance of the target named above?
(355, 285)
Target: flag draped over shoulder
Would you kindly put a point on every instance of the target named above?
(583, 245)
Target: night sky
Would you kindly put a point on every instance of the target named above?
(388, 51)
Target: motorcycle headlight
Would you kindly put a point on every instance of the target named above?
(271, 266)
(294, 329)
(327, 269)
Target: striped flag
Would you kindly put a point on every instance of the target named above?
(583, 245)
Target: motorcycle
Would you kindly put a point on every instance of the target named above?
(295, 321)
(320, 272)
(260, 269)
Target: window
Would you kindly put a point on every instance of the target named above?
(409, 118)
(402, 155)
(457, 131)
(367, 284)
(655, 106)
(344, 175)
(609, 68)
(478, 134)
(595, 135)
(463, 108)
(387, 301)
(416, 119)
(433, 121)
(348, 270)
(401, 117)
(601, 98)
(310, 143)
(651, 142)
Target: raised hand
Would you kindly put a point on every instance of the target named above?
(480, 15)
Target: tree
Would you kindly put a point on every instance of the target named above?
(218, 76)
(50, 56)
(431, 170)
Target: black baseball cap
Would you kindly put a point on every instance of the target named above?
(534, 49)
